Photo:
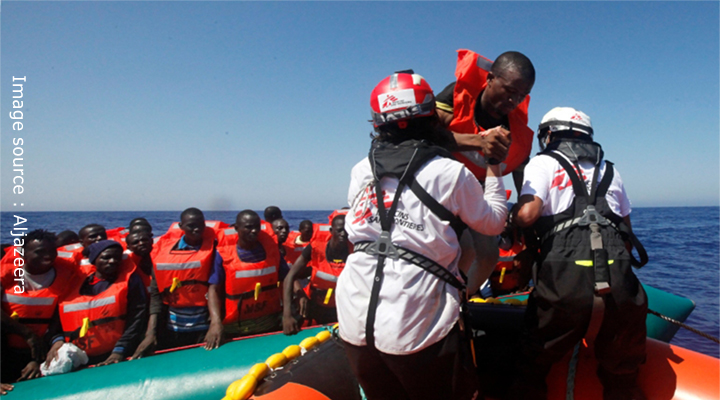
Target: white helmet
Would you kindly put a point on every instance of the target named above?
(568, 119)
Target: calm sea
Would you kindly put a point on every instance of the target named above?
(683, 245)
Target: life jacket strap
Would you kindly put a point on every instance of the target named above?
(250, 294)
(72, 335)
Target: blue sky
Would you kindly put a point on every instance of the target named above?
(232, 105)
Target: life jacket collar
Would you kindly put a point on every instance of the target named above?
(577, 150)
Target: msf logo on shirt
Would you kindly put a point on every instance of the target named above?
(562, 181)
(363, 208)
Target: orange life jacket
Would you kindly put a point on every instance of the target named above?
(293, 249)
(146, 279)
(118, 234)
(71, 252)
(471, 73)
(175, 232)
(325, 274)
(182, 275)
(506, 276)
(35, 308)
(251, 289)
(96, 323)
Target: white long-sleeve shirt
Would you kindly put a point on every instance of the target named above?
(415, 309)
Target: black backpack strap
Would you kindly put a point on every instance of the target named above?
(578, 185)
(438, 209)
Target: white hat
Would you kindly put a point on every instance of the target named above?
(563, 119)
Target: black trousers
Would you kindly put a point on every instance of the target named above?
(442, 371)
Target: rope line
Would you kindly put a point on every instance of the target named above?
(690, 328)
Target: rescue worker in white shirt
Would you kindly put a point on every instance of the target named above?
(399, 296)
(317, 301)
(584, 285)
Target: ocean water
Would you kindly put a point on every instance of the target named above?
(683, 244)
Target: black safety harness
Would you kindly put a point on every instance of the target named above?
(402, 161)
(586, 215)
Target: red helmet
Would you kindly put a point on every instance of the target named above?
(401, 96)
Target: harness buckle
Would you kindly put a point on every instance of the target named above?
(602, 288)
(383, 246)
(591, 216)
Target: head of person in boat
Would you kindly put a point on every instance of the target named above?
(192, 223)
(90, 234)
(306, 230)
(140, 242)
(272, 213)
(247, 225)
(106, 256)
(67, 237)
(337, 230)
(139, 223)
(281, 229)
(40, 252)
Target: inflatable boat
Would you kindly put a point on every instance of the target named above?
(312, 365)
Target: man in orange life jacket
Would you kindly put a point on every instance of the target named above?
(140, 245)
(106, 316)
(88, 234)
(329, 256)
(67, 237)
(282, 230)
(250, 260)
(30, 318)
(186, 288)
(298, 240)
(486, 109)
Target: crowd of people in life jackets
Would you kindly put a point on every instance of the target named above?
(122, 293)
(408, 261)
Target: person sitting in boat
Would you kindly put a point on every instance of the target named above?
(186, 287)
(251, 261)
(270, 214)
(281, 228)
(30, 302)
(106, 315)
(399, 296)
(297, 241)
(67, 237)
(78, 252)
(139, 249)
(317, 302)
(584, 285)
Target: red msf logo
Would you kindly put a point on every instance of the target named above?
(576, 117)
(361, 216)
(389, 100)
(562, 181)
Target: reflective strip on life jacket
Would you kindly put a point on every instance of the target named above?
(326, 277)
(27, 301)
(178, 266)
(256, 272)
(89, 305)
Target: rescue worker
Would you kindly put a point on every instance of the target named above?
(251, 264)
(106, 315)
(399, 296)
(487, 111)
(30, 303)
(317, 301)
(187, 287)
(584, 284)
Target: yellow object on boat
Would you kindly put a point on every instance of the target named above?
(310, 342)
(259, 370)
(292, 352)
(243, 388)
(276, 360)
(321, 336)
(85, 327)
(176, 284)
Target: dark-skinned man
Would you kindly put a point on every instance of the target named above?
(186, 288)
(30, 306)
(317, 303)
(486, 110)
(78, 252)
(298, 240)
(282, 230)
(251, 264)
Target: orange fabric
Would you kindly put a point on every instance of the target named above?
(324, 273)
(112, 303)
(292, 249)
(192, 268)
(241, 279)
(118, 234)
(471, 81)
(36, 306)
(146, 279)
(511, 277)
